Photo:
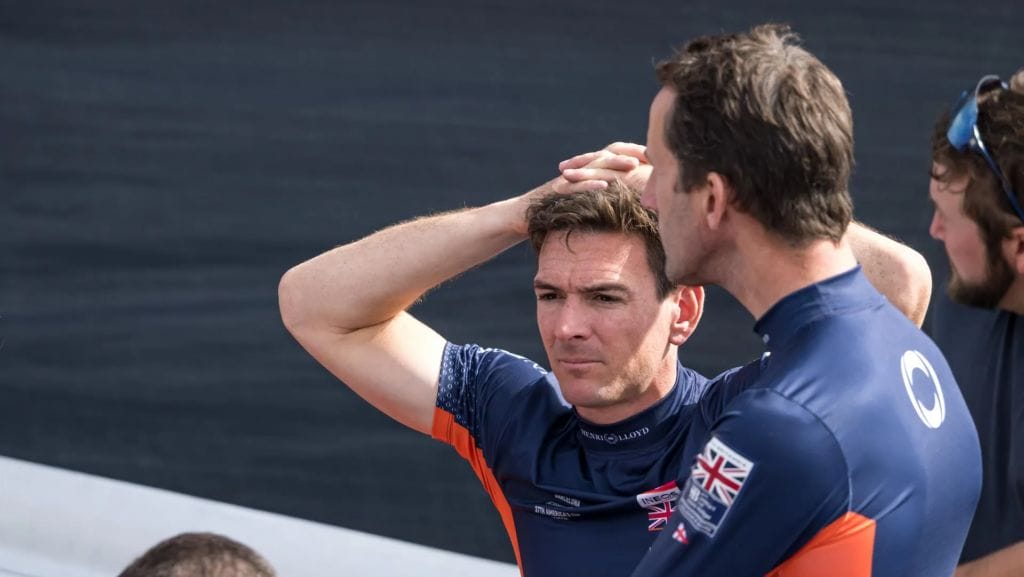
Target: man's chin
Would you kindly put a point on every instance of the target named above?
(582, 392)
(985, 295)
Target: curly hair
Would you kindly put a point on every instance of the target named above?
(1001, 124)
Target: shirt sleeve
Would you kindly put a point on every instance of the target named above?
(770, 477)
(477, 395)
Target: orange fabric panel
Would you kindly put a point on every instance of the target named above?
(843, 549)
(447, 430)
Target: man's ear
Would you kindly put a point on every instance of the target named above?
(716, 203)
(690, 306)
(1013, 248)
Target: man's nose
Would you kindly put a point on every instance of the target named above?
(573, 321)
(936, 229)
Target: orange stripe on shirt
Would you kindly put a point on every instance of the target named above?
(447, 430)
(843, 549)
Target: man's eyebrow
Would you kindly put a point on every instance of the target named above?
(605, 287)
(594, 288)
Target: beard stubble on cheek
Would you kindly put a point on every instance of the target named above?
(988, 292)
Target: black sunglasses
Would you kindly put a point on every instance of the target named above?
(963, 133)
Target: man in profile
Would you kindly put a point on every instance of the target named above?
(976, 187)
(847, 449)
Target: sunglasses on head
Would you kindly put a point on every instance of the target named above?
(963, 133)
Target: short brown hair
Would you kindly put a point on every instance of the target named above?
(613, 209)
(195, 554)
(770, 118)
(1001, 124)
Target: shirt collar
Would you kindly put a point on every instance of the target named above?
(645, 428)
(844, 292)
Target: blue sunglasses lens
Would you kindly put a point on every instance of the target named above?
(963, 134)
(965, 116)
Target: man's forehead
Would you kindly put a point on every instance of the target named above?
(944, 182)
(661, 106)
(590, 258)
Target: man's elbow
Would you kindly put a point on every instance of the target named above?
(290, 302)
(915, 276)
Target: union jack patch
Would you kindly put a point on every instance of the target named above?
(721, 471)
(658, 515)
(715, 481)
(659, 504)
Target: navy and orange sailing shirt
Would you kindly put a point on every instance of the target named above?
(846, 451)
(576, 498)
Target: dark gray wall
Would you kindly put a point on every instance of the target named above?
(161, 164)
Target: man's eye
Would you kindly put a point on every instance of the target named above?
(546, 296)
(606, 298)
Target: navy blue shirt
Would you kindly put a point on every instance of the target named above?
(846, 451)
(985, 349)
(576, 498)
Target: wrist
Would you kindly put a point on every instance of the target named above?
(509, 216)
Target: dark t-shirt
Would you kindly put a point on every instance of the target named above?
(985, 349)
(576, 498)
(847, 451)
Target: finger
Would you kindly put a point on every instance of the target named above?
(614, 162)
(580, 160)
(581, 174)
(637, 151)
(564, 186)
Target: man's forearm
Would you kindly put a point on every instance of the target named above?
(369, 281)
(1007, 562)
(897, 271)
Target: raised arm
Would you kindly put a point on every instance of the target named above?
(347, 306)
(896, 270)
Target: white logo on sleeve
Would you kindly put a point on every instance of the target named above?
(913, 362)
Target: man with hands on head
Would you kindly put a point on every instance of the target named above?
(582, 462)
(579, 462)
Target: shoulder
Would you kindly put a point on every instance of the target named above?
(775, 424)
(768, 425)
(721, 390)
(693, 384)
(786, 447)
(778, 461)
(460, 361)
(482, 376)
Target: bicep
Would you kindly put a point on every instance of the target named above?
(394, 366)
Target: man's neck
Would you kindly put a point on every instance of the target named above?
(764, 269)
(1013, 300)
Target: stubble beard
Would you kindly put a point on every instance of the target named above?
(989, 291)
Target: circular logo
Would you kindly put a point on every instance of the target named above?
(611, 438)
(935, 413)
